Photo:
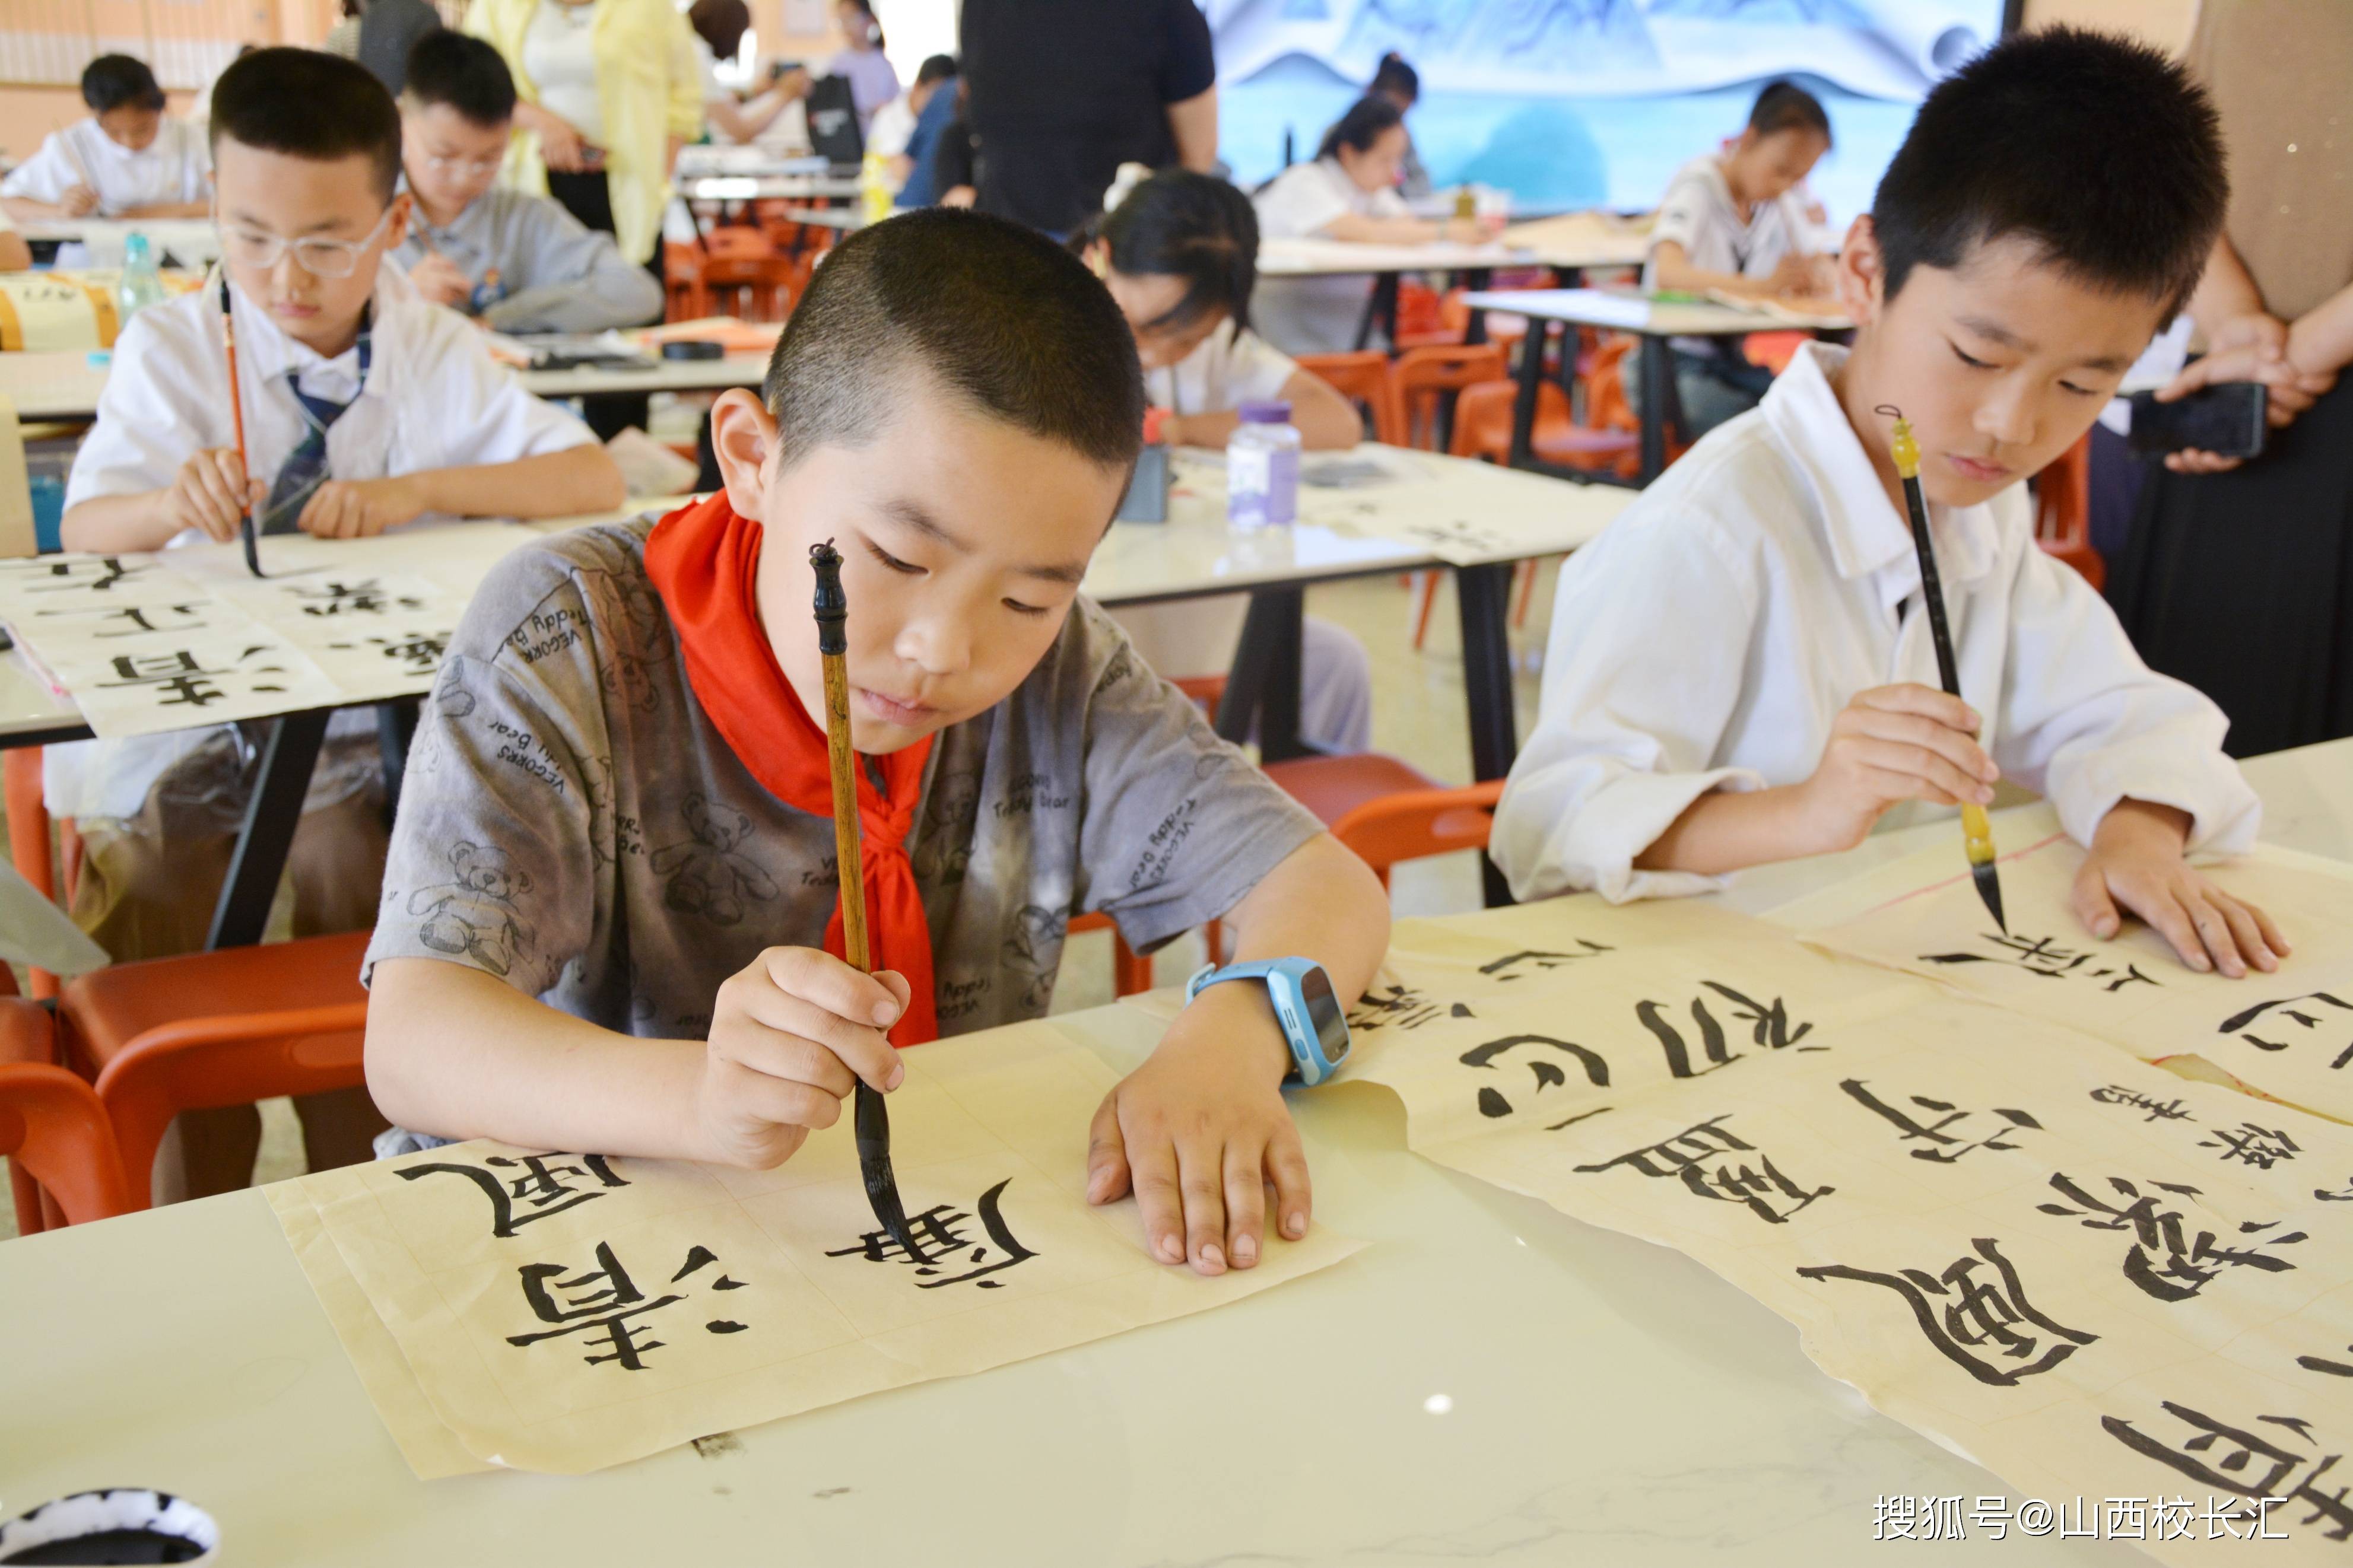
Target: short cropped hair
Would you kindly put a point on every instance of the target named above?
(307, 103)
(1785, 106)
(936, 68)
(120, 81)
(2099, 152)
(464, 72)
(997, 315)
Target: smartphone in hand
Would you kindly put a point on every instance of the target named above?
(2226, 419)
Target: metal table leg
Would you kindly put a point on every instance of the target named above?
(286, 758)
(1264, 685)
(1484, 597)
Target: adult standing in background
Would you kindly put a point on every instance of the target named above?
(388, 30)
(609, 91)
(872, 83)
(719, 28)
(2239, 578)
(1061, 92)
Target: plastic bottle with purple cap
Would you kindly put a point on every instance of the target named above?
(1262, 466)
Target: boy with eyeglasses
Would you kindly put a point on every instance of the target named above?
(515, 262)
(365, 408)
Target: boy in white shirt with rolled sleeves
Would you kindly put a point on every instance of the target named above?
(1741, 670)
(365, 408)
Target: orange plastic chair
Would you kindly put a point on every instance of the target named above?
(1131, 971)
(52, 1129)
(1773, 350)
(1483, 429)
(1420, 376)
(1421, 318)
(28, 841)
(1385, 809)
(1363, 378)
(209, 1029)
(742, 273)
(2063, 511)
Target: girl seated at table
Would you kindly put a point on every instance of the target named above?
(1736, 222)
(1179, 253)
(1348, 193)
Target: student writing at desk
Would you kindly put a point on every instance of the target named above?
(1742, 669)
(365, 408)
(1347, 193)
(128, 160)
(1736, 223)
(1178, 251)
(623, 945)
(516, 262)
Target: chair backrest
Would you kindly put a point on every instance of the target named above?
(53, 1124)
(1418, 823)
(1420, 374)
(201, 1063)
(2063, 511)
(1483, 417)
(1362, 377)
(28, 836)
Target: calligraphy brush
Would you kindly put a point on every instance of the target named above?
(1977, 833)
(236, 418)
(873, 1119)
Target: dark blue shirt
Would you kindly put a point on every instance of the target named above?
(922, 190)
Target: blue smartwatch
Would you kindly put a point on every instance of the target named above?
(1313, 1024)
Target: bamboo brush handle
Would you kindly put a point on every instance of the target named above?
(844, 763)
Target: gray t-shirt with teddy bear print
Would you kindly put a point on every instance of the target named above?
(571, 821)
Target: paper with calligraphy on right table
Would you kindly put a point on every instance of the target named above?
(2288, 1033)
(563, 1312)
(2099, 1280)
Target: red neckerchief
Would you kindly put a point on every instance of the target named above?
(705, 562)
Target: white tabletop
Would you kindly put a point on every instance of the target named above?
(769, 187)
(1580, 241)
(1489, 1380)
(1633, 313)
(193, 239)
(1426, 510)
(63, 383)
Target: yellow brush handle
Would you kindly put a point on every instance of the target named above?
(1978, 834)
(1904, 450)
(845, 813)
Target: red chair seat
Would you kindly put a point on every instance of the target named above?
(1332, 787)
(107, 1009)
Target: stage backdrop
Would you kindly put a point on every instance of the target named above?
(1577, 103)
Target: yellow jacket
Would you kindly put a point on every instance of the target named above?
(649, 85)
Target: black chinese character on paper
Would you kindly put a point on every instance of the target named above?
(1547, 1072)
(416, 653)
(606, 1298)
(1399, 1006)
(2043, 956)
(1707, 1159)
(2158, 1110)
(86, 574)
(2240, 1462)
(1940, 1130)
(2167, 1261)
(2252, 1145)
(1976, 1314)
(181, 679)
(365, 597)
(942, 1253)
(1517, 965)
(547, 1186)
(117, 621)
(1768, 1028)
(2311, 1012)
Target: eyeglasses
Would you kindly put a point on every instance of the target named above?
(473, 168)
(319, 257)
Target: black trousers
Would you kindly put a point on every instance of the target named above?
(588, 196)
(2241, 583)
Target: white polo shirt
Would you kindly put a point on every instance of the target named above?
(433, 398)
(1315, 315)
(174, 167)
(1713, 633)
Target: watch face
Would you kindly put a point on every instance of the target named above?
(1324, 1012)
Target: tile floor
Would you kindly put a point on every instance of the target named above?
(1417, 714)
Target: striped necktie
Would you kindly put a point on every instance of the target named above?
(305, 468)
